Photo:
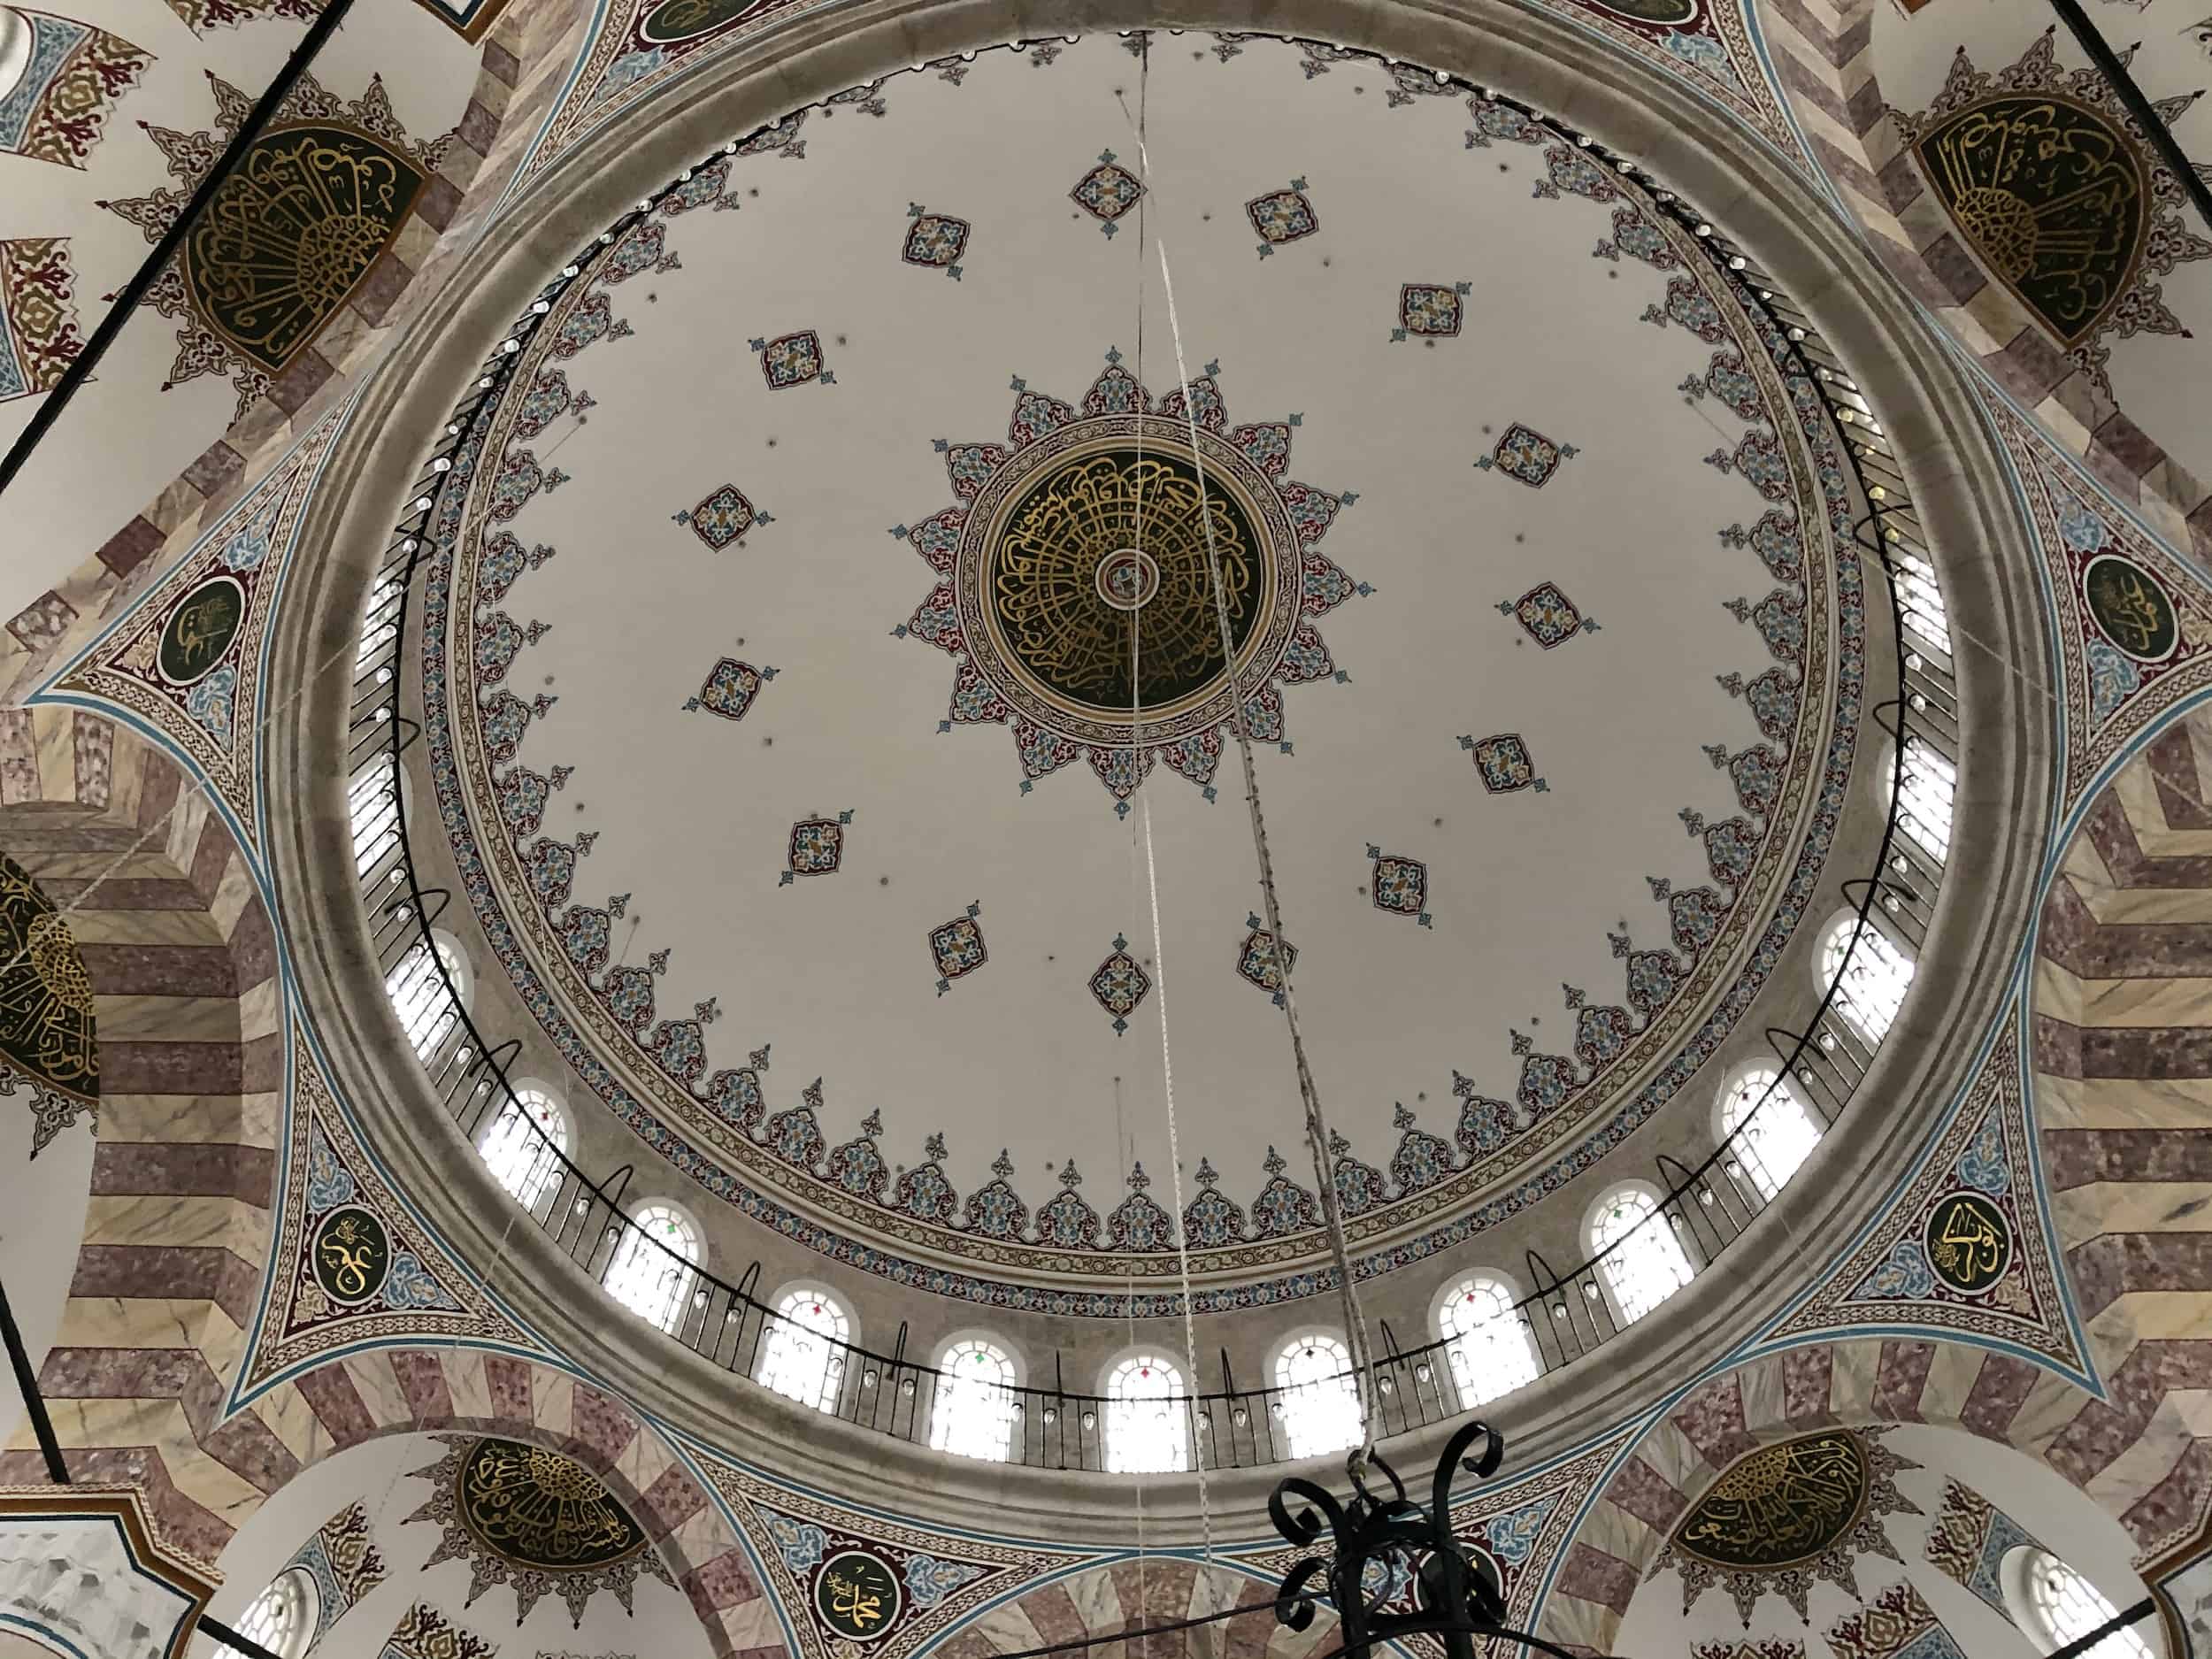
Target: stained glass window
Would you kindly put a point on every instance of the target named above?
(523, 1146)
(1649, 1264)
(650, 1273)
(1316, 1398)
(803, 1351)
(2063, 1606)
(1874, 979)
(973, 1415)
(1486, 1342)
(1777, 1134)
(1147, 1428)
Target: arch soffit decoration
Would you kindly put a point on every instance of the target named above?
(1824, 55)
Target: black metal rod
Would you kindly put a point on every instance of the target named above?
(2119, 1620)
(118, 313)
(2161, 136)
(34, 1401)
(231, 1639)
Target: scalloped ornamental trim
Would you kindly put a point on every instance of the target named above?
(805, 1229)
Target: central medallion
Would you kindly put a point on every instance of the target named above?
(1078, 580)
(1101, 581)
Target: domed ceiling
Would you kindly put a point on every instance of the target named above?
(830, 666)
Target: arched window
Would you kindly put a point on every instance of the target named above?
(524, 1145)
(1147, 1425)
(1648, 1264)
(379, 615)
(1317, 1396)
(1777, 1134)
(1870, 976)
(373, 807)
(1923, 807)
(651, 1272)
(426, 1012)
(1920, 599)
(281, 1617)
(802, 1350)
(1485, 1340)
(2056, 1606)
(973, 1415)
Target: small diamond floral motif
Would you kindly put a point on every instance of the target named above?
(1400, 884)
(1107, 191)
(1258, 961)
(957, 948)
(1504, 764)
(722, 517)
(934, 239)
(1120, 984)
(1549, 615)
(818, 845)
(1282, 216)
(730, 689)
(1430, 311)
(1528, 455)
(792, 360)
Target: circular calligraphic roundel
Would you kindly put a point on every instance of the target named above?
(352, 1255)
(1968, 1242)
(1092, 553)
(2131, 608)
(857, 1595)
(541, 1509)
(200, 630)
(678, 20)
(1781, 1505)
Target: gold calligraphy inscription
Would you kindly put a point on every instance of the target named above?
(2052, 196)
(351, 1256)
(1781, 1505)
(298, 222)
(46, 1023)
(857, 1595)
(1968, 1242)
(686, 20)
(539, 1509)
(2131, 608)
(1077, 610)
(200, 630)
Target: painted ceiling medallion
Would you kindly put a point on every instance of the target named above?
(2049, 180)
(294, 228)
(522, 1516)
(1783, 1517)
(1076, 580)
(46, 1017)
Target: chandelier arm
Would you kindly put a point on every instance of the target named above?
(1303, 1528)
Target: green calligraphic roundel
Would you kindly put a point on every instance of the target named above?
(2131, 607)
(1968, 1242)
(676, 20)
(1781, 1505)
(200, 630)
(352, 1254)
(857, 1595)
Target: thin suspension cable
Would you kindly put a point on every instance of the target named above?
(1151, 860)
(1316, 1124)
